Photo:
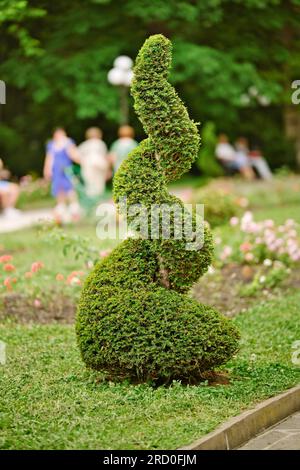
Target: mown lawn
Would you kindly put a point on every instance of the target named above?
(44, 244)
(50, 401)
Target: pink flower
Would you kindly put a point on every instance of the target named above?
(270, 239)
(292, 250)
(75, 281)
(247, 217)
(243, 202)
(279, 242)
(246, 246)
(252, 227)
(186, 195)
(292, 233)
(7, 283)
(269, 234)
(36, 266)
(37, 303)
(295, 256)
(28, 275)
(73, 278)
(234, 221)
(76, 273)
(249, 256)
(5, 258)
(59, 277)
(9, 267)
(290, 223)
(269, 223)
(227, 250)
(104, 253)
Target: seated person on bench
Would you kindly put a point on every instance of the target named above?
(9, 193)
(231, 159)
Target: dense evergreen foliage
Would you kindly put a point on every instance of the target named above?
(135, 319)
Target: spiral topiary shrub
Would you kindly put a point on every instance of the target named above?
(135, 319)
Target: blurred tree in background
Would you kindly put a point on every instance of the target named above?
(207, 161)
(234, 62)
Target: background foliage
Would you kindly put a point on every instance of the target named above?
(54, 60)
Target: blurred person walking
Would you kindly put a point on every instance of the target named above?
(94, 162)
(61, 152)
(122, 146)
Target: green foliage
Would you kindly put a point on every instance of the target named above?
(50, 402)
(219, 206)
(283, 190)
(73, 245)
(55, 60)
(265, 279)
(207, 161)
(36, 192)
(154, 335)
(134, 319)
(14, 14)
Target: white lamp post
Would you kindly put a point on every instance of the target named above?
(254, 95)
(121, 76)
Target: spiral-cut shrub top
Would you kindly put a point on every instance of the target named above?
(173, 141)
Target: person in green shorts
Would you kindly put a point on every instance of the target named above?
(122, 146)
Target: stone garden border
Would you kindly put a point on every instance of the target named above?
(247, 425)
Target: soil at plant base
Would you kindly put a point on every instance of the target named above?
(18, 307)
(221, 290)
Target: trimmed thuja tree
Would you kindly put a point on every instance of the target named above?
(135, 319)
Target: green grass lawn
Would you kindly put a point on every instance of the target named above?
(37, 244)
(50, 401)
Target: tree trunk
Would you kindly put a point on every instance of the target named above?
(292, 127)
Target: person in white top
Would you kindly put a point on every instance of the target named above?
(233, 159)
(94, 162)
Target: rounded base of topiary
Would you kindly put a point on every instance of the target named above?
(151, 334)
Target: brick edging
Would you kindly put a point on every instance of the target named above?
(247, 425)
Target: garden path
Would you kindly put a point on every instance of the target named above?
(283, 436)
(33, 217)
(26, 219)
